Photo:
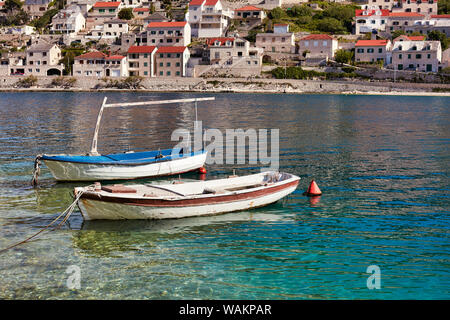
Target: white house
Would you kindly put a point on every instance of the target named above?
(69, 20)
(207, 18)
(369, 20)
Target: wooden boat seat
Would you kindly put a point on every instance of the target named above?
(118, 188)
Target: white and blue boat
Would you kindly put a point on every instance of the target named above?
(119, 166)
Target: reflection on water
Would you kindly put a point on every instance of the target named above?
(381, 163)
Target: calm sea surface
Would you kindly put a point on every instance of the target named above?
(381, 162)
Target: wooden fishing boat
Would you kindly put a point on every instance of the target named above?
(129, 165)
(188, 199)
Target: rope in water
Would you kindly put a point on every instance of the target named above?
(66, 213)
(36, 171)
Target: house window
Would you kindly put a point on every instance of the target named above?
(161, 55)
(161, 73)
(306, 43)
(177, 64)
(145, 55)
(418, 56)
(168, 64)
(112, 10)
(178, 73)
(400, 67)
(145, 64)
(145, 73)
(428, 56)
(360, 51)
(161, 64)
(380, 50)
(101, 10)
(370, 50)
(168, 73)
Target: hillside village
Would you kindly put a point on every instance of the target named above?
(399, 40)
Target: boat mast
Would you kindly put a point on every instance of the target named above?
(94, 151)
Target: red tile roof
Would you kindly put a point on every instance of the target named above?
(106, 4)
(196, 2)
(211, 2)
(317, 37)
(141, 9)
(371, 43)
(249, 8)
(91, 55)
(166, 24)
(405, 14)
(117, 57)
(141, 49)
(176, 49)
(368, 13)
(416, 38)
(2, 4)
(409, 38)
(222, 40)
(440, 16)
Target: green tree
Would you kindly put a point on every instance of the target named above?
(439, 36)
(126, 14)
(300, 11)
(277, 14)
(443, 6)
(342, 13)
(44, 21)
(331, 25)
(343, 56)
(397, 33)
(11, 5)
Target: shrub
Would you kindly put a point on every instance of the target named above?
(27, 82)
(343, 56)
(63, 82)
(126, 14)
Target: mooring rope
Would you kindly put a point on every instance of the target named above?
(36, 171)
(67, 214)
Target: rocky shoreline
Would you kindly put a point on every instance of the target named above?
(239, 85)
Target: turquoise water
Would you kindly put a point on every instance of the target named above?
(381, 162)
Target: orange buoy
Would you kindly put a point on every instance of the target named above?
(202, 170)
(313, 190)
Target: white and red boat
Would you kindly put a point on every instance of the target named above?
(184, 199)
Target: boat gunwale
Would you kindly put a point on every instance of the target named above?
(44, 157)
(196, 199)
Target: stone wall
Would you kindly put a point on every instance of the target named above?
(236, 85)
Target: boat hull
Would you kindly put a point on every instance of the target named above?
(114, 209)
(73, 171)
